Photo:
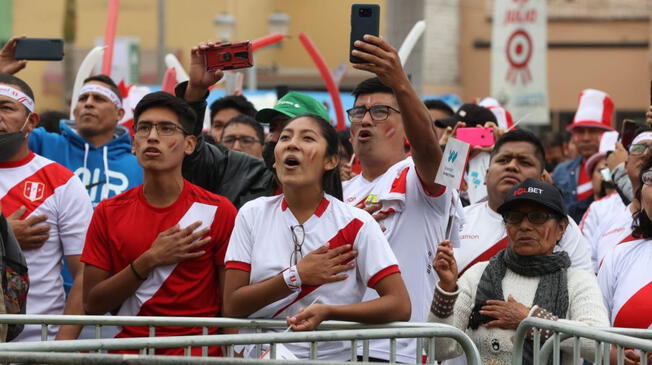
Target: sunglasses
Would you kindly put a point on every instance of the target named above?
(514, 217)
(298, 236)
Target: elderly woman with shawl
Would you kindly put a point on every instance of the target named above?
(526, 279)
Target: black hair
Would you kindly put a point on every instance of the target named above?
(345, 141)
(521, 135)
(22, 85)
(106, 80)
(439, 105)
(178, 106)
(331, 182)
(642, 225)
(237, 102)
(248, 121)
(370, 86)
(50, 120)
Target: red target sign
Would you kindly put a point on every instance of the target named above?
(519, 52)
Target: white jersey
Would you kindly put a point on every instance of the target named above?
(607, 222)
(45, 187)
(262, 244)
(415, 227)
(626, 284)
(483, 235)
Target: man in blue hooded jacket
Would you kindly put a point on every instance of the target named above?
(94, 146)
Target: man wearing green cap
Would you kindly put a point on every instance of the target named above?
(289, 106)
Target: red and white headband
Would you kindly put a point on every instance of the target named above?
(644, 136)
(17, 95)
(104, 91)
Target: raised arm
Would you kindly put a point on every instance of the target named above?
(383, 60)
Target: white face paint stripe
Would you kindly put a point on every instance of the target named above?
(17, 95)
(104, 91)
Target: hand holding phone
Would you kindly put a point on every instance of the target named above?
(229, 56)
(482, 137)
(40, 49)
(365, 19)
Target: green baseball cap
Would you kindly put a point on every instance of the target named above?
(292, 104)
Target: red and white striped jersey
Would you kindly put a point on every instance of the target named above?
(626, 283)
(45, 187)
(262, 244)
(126, 225)
(607, 222)
(416, 225)
(483, 235)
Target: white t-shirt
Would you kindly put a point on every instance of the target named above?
(414, 229)
(626, 284)
(262, 244)
(45, 187)
(606, 222)
(483, 235)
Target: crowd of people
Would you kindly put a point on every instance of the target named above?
(275, 214)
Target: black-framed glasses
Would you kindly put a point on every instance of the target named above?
(164, 129)
(639, 148)
(378, 113)
(646, 177)
(298, 236)
(514, 217)
(245, 141)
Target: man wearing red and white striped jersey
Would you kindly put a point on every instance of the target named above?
(386, 112)
(47, 207)
(516, 156)
(158, 249)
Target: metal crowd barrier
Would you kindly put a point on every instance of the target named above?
(604, 338)
(425, 333)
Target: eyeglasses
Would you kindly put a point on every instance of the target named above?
(378, 113)
(245, 141)
(515, 217)
(638, 149)
(164, 129)
(646, 177)
(298, 236)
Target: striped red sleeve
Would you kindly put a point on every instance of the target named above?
(389, 270)
(238, 265)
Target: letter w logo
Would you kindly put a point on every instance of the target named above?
(452, 156)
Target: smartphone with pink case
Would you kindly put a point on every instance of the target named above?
(483, 137)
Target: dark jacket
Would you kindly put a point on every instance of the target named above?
(565, 178)
(234, 175)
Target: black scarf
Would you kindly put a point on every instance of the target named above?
(551, 294)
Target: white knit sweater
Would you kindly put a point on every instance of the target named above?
(585, 307)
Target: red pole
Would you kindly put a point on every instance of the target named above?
(327, 77)
(109, 35)
(266, 41)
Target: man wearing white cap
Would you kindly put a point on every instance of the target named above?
(593, 117)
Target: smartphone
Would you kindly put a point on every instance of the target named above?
(39, 49)
(627, 133)
(229, 56)
(365, 19)
(483, 137)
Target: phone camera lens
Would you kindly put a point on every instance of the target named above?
(365, 12)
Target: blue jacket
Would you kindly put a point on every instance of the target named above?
(565, 178)
(105, 171)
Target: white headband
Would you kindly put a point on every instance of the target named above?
(642, 137)
(105, 91)
(17, 95)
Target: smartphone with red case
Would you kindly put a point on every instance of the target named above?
(627, 132)
(229, 56)
(483, 137)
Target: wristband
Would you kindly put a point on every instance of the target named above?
(292, 278)
(133, 269)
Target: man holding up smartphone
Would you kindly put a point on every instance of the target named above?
(386, 113)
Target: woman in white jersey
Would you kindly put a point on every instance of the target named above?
(624, 275)
(305, 256)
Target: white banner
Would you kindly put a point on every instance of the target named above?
(519, 60)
